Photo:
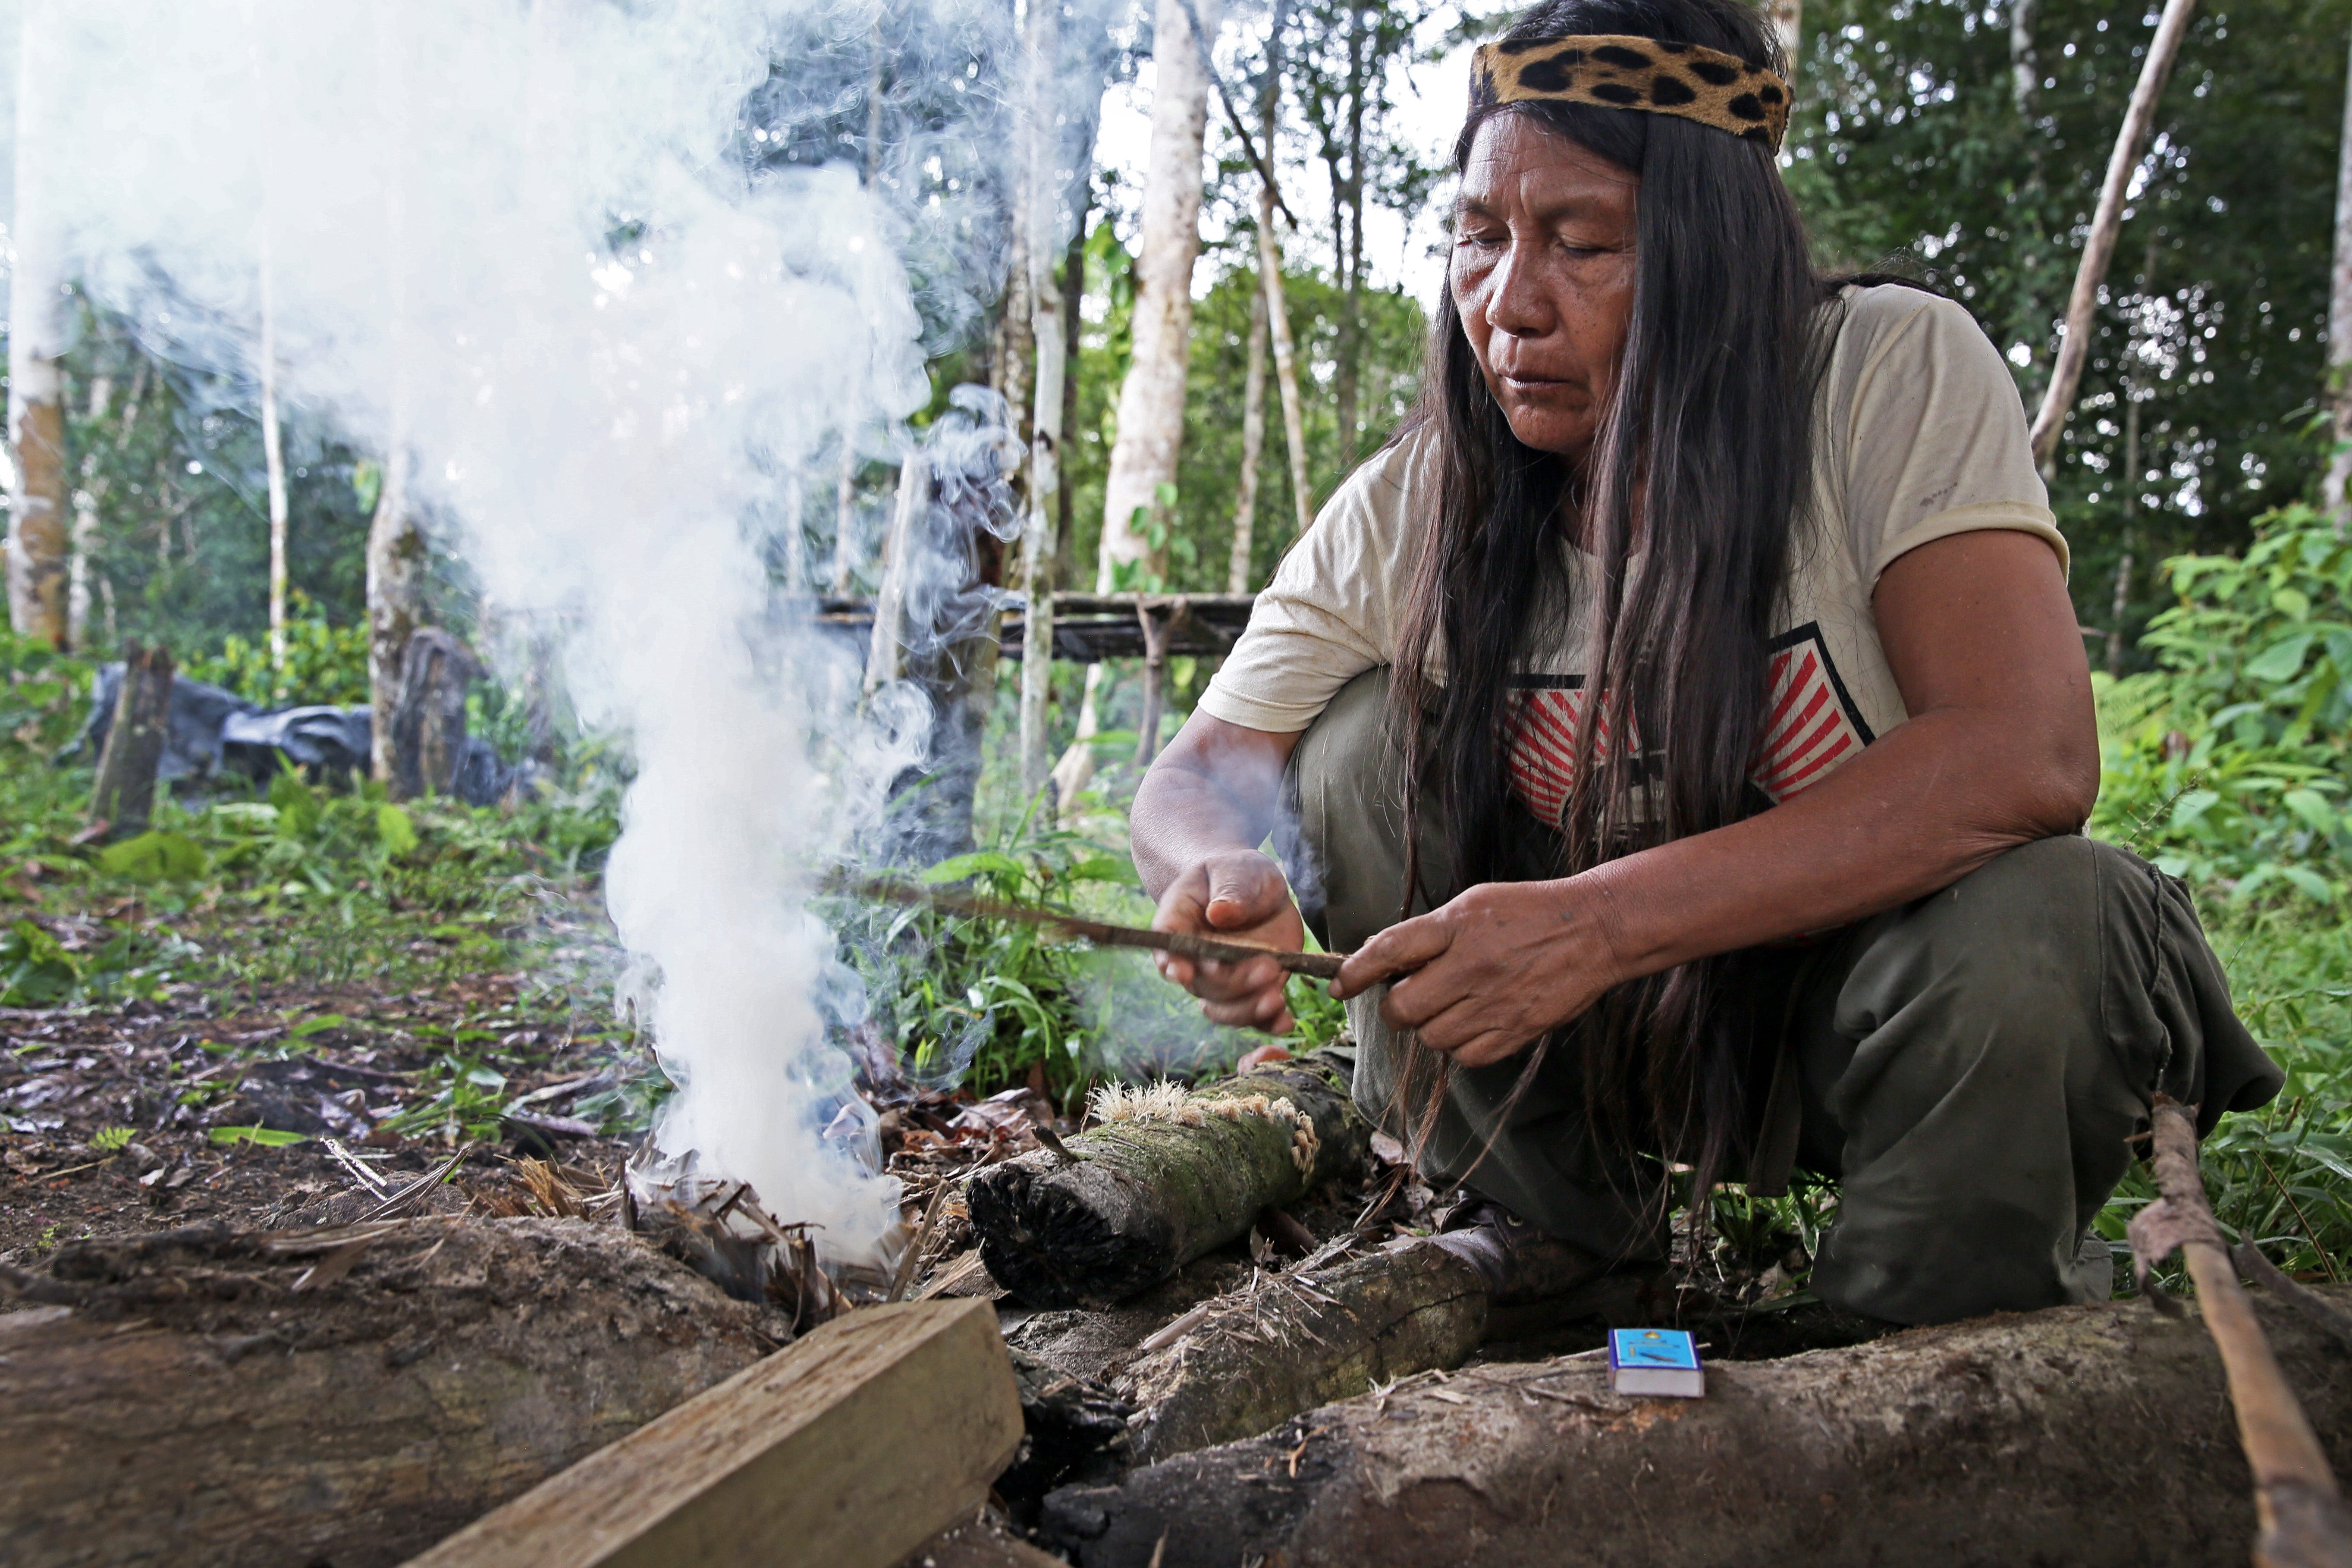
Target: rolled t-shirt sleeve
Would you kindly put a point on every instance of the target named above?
(1934, 433)
(1328, 615)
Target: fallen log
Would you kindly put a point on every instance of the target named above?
(346, 1396)
(2085, 1436)
(1167, 1176)
(860, 1442)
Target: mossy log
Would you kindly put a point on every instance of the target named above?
(201, 1397)
(1146, 1194)
(2088, 1436)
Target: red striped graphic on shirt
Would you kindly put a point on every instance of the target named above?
(1810, 728)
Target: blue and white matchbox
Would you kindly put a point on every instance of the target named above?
(1655, 1360)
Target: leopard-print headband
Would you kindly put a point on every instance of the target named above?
(1611, 71)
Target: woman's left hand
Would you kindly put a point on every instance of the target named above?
(1492, 972)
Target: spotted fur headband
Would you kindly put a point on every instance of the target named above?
(1610, 71)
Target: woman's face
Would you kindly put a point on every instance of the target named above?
(1543, 278)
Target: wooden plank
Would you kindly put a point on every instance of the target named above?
(848, 1448)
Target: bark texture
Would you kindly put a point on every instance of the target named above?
(2081, 1436)
(1146, 1196)
(124, 795)
(185, 1398)
(2339, 327)
(428, 721)
(395, 609)
(38, 544)
(1304, 1339)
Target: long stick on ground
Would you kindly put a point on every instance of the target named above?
(2099, 246)
(2303, 1520)
(1320, 966)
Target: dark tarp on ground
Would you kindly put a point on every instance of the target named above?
(215, 734)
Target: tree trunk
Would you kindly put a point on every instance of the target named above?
(2122, 602)
(1050, 342)
(1237, 565)
(2025, 61)
(1152, 400)
(80, 577)
(1148, 1193)
(2339, 329)
(1151, 422)
(2094, 1436)
(1286, 364)
(395, 609)
(188, 1399)
(1348, 348)
(1269, 272)
(2099, 248)
(428, 722)
(885, 656)
(1789, 26)
(124, 795)
(273, 457)
(37, 546)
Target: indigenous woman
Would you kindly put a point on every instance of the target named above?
(1689, 735)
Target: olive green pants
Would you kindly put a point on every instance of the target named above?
(1969, 1066)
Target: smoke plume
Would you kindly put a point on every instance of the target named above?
(619, 284)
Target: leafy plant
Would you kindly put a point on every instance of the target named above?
(324, 662)
(2227, 764)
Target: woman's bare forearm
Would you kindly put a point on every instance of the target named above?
(1217, 788)
(1927, 804)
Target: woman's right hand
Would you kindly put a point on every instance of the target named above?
(1240, 896)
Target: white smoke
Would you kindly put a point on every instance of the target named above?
(525, 243)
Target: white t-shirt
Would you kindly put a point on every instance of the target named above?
(1920, 435)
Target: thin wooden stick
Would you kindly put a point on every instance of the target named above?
(1320, 966)
(2303, 1523)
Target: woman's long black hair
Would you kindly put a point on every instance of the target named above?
(1701, 464)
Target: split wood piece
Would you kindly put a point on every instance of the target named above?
(170, 1399)
(848, 1448)
(125, 795)
(1148, 1195)
(1295, 1341)
(2303, 1523)
(2091, 1435)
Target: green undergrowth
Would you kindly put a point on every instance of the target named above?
(296, 884)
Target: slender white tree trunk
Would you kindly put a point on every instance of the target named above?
(2339, 329)
(81, 580)
(2099, 248)
(1152, 400)
(1789, 26)
(1050, 336)
(273, 457)
(37, 547)
(1237, 567)
(1286, 362)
